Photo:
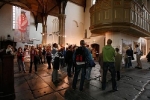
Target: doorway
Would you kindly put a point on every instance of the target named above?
(95, 50)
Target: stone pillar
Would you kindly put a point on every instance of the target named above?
(44, 25)
(62, 18)
(44, 34)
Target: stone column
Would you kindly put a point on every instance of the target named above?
(44, 34)
(44, 25)
(62, 18)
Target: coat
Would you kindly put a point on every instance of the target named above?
(148, 57)
(118, 60)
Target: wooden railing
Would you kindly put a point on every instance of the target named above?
(120, 15)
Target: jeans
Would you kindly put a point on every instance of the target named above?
(128, 62)
(49, 61)
(62, 62)
(35, 66)
(118, 75)
(88, 73)
(109, 66)
(21, 65)
(69, 69)
(77, 71)
(55, 75)
(139, 64)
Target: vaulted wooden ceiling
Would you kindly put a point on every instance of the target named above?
(40, 8)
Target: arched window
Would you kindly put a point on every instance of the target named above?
(16, 11)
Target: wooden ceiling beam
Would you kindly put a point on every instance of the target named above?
(2, 5)
(7, 2)
(39, 3)
(52, 8)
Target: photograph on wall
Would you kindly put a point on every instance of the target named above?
(22, 24)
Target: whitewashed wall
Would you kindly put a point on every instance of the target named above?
(6, 21)
(74, 26)
(6, 26)
(98, 40)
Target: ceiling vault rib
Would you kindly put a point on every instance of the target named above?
(17, 5)
(52, 8)
(2, 5)
(39, 3)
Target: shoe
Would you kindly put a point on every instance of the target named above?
(115, 90)
(74, 88)
(140, 68)
(81, 89)
(136, 67)
(103, 88)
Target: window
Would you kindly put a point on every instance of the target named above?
(16, 11)
(93, 2)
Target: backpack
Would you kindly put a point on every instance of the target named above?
(80, 54)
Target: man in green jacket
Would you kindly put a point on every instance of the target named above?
(108, 53)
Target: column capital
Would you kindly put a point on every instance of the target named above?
(62, 16)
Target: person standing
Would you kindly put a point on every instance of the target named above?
(44, 54)
(20, 60)
(89, 69)
(100, 61)
(40, 55)
(62, 58)
(138, 56)
(129, 54)
(55, 63)
(118, 60)
(33, 59)
(69, 60)
(48, 56)
(108, 64)
(81, 61)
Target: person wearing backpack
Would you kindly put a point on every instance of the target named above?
(55, 62)
(81, 59)
(138, 56)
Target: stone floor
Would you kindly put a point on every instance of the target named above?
(134, 85)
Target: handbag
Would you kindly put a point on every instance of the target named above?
(92, 63)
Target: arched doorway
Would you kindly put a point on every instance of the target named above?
(95, 50)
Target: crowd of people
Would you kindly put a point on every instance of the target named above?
(76, 59)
